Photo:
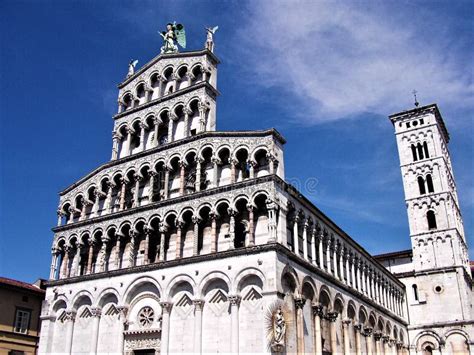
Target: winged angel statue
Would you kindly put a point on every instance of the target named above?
(174, 32)
(210, 37)
(131, 67)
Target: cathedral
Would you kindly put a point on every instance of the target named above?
(189, 240)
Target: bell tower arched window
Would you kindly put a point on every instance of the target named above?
(431, 219)
(419, 147)
(413, 152)
(425, 149)
(421, 185)
(429, 183)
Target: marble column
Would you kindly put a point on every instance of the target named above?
(142, 136)
(108, 205)
(250, 209)
(172, 118)
(123, 191)
(233, 164)
(90, 256)
(198, 305)
(131, 251)
(123, 310)
(252, 166)
(96, 313)
(272, 222)
(296, 242)
(202, 117)
(179, 239)
(313, 246)
(341, 263)
(151, 185)
(128, 146)
(54, 262)
(102, 258)
(65, 263)
(368, 340)
(318, 313)
(157, 123)
(163, 229)
(165, 327)
(182, 172)
(332, 317)
(305, 240)
(358, 345)
(187, 112)
(345, 329)
(213, 217)
(334, 259)
(347, 256)
(386, 348)
(215, 164)
(328, 255)
(196, 220)
(321, 251)
(146, 259)
(167, 182)
(115, 141)
(232, 214)
(299, 304)
(136, 193)
(60, 217)
(69, 320)
(234, 333)
(378, 337)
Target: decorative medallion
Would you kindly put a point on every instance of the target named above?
(146, 316)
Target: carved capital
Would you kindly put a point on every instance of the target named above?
(96, 311)
(234, 300)
(299, 302)
(70, 316)
(317, 309)
(377, 336)
(367, 332)
(166, 306)
(198, 304)
(331, 316)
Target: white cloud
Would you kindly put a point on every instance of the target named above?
(338, 60)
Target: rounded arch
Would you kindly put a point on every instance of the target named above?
(240, 278)
(338, 304)
(182, 281)
(60, 303)
(209, 278)
(258, 149)
(81, 298)
(109, 295)
(139, 285)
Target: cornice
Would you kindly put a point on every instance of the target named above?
(201, 84)
(257, 249)
(185, 54)
(164, 147)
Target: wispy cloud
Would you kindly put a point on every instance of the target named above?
(338, 60)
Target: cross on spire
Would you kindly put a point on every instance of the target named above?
(414, 92)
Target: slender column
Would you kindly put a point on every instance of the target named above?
(157, 123)
(196, 221)
(272, 224)
(296, 242)
(146, 259)
(170, 127)
(117, 250)
(377, 337)
(131, 252)
(345, 331)
(198, 305)
(187, 112)
(328, 255)
(69, 320)
(321, 251)
(179, 238)
(317, 313)
(231, 213)
(161, 85)
(60, 217)
(96, 313)
(386, 349)
(368, 340)
(299, 304)
(182, 172)
(372, 288)
(198, 174)
(348, 267)
(90, 256)
(202, 117)
(122, 193)
(136, 193)
(234, 313)
(233, 164)
(103, 254)
(128, 146)
(95, 207)
(151, 185)
(85, 202)
(123, 310)
(305, 240)
(252, 165)
(361, 276)
(54, 261)
(271, 163)
(167, 182)
(250, 208)
(357, 273)
(352, 261)
(143, 127)
(165, 327)
(163, 230)
(332, 317)
(213, 217)
(313, 246)
(341, 263)
(215, 164)
(108, 206)
(357, 331)
(65, 263)
(334, 259)
(115, 141)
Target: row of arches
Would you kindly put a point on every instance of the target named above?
(168, 125)
(208, 229)
(420, 151)
(179, 175)
(318, 245)
(161, 83)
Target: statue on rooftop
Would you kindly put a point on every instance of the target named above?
(210, 37)
(131, 67)
(174, 33)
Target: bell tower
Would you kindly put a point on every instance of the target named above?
(440, 255)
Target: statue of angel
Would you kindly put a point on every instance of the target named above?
(174, 32)
(131, 67)
(210, 38)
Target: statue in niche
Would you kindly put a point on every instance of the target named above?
(174, 33)
(277, 320)
(279, 328)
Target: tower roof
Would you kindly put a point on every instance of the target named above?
(417, 111)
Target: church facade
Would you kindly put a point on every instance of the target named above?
(190, 241)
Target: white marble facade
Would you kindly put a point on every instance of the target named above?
(188, 237)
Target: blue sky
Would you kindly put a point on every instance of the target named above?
(325, 74)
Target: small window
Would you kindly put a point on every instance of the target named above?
(415, 291)
(22, 320)
(425, 148)
(420, 151)
(413, 152)
(431, 218)
(429, 183)
(421, 185)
